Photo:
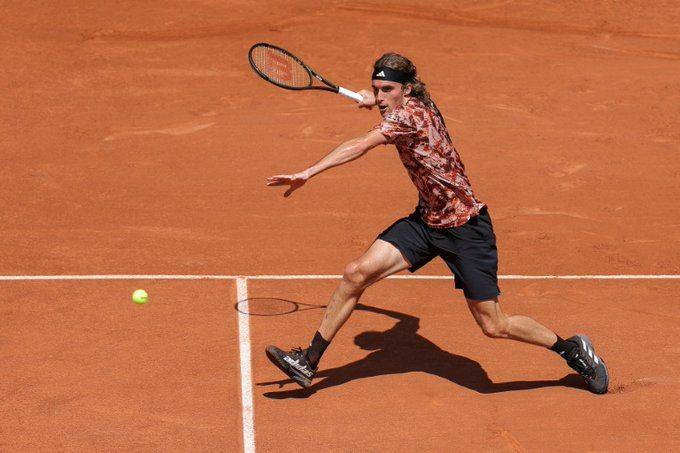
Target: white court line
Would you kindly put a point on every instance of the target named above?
(116, 277)
(246, 374)
(500, 277)
(325, 277)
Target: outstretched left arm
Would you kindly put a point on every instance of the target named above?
(346, 152)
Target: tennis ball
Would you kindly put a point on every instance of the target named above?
(140, 297)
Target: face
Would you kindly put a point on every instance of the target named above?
(390, 95)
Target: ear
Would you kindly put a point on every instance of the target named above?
(407, 89)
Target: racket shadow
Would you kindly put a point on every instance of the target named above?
(271, 306)
(402, 350)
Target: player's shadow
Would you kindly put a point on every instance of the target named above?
(402, 350)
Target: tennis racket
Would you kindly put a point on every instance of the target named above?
(285, 70)
(270, 306)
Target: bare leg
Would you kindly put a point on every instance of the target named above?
(496, 324)
(380, 260)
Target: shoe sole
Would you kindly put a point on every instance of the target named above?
(604, 367)
(274, 358)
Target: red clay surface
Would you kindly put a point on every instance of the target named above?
(415, 371)
(84, 368)
(136, 140)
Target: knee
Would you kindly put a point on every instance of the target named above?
(494, 328)
(356, 275)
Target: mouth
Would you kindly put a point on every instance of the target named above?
(382, 108)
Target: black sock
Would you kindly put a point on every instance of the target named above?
(316, 349)
(563, 347)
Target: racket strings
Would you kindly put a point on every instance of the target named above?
(280, 67)
(266, 306)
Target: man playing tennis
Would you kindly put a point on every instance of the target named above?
(449, 222)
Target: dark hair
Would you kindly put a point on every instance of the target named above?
(401, 63)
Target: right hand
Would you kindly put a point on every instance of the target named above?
(368, 101)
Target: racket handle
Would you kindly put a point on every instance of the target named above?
(350, 94)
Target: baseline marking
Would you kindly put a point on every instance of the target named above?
(246, 373)
(116, 277)
(327, 277)
(500, 277)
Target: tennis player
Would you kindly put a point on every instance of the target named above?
(449, 222)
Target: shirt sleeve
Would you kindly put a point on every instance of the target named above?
(397, 124)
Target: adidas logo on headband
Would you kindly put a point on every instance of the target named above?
(391, 75)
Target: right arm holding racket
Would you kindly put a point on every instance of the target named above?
(285, 70)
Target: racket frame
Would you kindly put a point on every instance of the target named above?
(294, 306)
(332, 87)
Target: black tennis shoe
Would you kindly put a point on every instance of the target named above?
(587, 364)
(294, 363)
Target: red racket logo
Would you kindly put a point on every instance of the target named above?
(282, 66)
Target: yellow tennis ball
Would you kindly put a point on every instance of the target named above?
(140, 297)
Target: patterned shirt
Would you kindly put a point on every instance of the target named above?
(433, 164)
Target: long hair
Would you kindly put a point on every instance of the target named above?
(398, 62)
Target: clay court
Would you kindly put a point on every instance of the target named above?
(136, 141)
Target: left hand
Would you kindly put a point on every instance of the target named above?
(295, 181)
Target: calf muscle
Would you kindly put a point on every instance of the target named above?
(495, 324)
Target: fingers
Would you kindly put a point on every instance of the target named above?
(367, 103)
(279, 180)
(368, 100)
(286, 180)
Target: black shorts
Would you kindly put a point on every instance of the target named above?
(469, 250)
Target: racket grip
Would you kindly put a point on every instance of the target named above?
(350, 94)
